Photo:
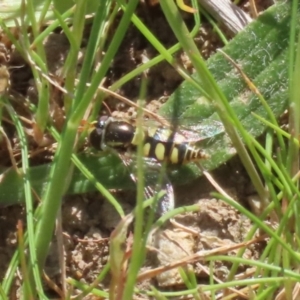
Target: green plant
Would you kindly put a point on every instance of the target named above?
(218, 91)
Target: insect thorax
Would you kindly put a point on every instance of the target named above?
(119, 134)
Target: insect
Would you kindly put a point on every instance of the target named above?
(160, 145)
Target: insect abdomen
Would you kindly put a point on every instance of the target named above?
(160, 145)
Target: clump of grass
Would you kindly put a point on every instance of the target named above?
(269, 174)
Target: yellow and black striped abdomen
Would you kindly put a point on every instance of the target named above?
(163, 144)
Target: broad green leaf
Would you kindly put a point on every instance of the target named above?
(260, 50)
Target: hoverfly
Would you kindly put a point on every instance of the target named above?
(160, 145)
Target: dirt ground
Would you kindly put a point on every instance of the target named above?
(88, 220)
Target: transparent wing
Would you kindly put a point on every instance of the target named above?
(191, 130)
(157, 183)
(205, 130)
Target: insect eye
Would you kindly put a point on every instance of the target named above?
(102, 122)
(95, 138)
